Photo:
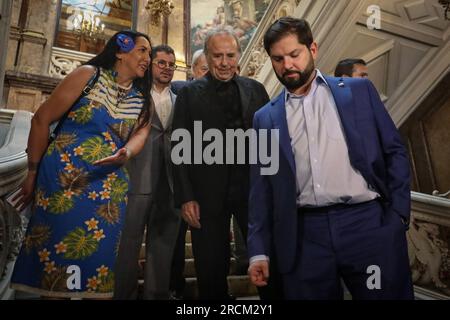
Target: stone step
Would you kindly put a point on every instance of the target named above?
(189, 268)
(188, 254)
(238, 286)
(188, 246)
(187, 251)
(188, 237)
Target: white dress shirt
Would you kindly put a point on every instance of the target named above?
(163, 104)
(324, 174)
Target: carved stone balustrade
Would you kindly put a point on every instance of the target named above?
(14, 129)
(64, 61)
(428, 246)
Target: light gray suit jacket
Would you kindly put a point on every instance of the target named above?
(146, 166)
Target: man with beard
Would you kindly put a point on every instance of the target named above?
(340, 201)
(151, 204)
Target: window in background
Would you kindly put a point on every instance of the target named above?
(85, 26)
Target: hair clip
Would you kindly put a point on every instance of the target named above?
(125, 43)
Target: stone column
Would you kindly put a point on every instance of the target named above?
(37, 37)
(31, 35)
(5, 18)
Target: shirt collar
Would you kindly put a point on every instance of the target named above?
(319, 79)
(164, 91)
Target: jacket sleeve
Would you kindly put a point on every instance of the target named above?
(182, 126)
(260, 206)
(262, 94)
(395, 156)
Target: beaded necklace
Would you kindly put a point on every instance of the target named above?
(122, 92)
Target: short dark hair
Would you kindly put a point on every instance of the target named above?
(286, 26)
(345, 67)
(162, 48)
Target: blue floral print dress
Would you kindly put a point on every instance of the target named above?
(73, 236)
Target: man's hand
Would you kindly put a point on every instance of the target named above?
(259, 273)
(190, 211)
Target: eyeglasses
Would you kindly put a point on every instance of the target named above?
(164, 64)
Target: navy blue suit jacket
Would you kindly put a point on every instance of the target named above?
(375, 149)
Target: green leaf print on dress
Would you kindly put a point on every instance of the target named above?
(83, 115)
(80, 244)
(95, 149)
(107, 282)
(119, 189)
(61, 202)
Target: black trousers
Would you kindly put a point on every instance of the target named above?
(211, 248)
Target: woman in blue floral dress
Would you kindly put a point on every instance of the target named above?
(78, 181)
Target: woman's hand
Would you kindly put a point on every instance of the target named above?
(119, 158)
(25, 196)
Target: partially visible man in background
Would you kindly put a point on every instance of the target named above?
(354, 68)
(199, 65)
(151, 203)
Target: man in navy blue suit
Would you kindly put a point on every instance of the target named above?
(338, 208)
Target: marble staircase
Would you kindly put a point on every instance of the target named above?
(239, 284)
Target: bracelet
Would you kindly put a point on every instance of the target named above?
(129, 154)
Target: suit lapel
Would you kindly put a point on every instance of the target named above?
(173, 98)
(346, 108)
(245, 95)
(155, 121)
(278, 115)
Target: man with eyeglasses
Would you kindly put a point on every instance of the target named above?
(151, 204)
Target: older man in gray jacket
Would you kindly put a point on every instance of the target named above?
(151, 204)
